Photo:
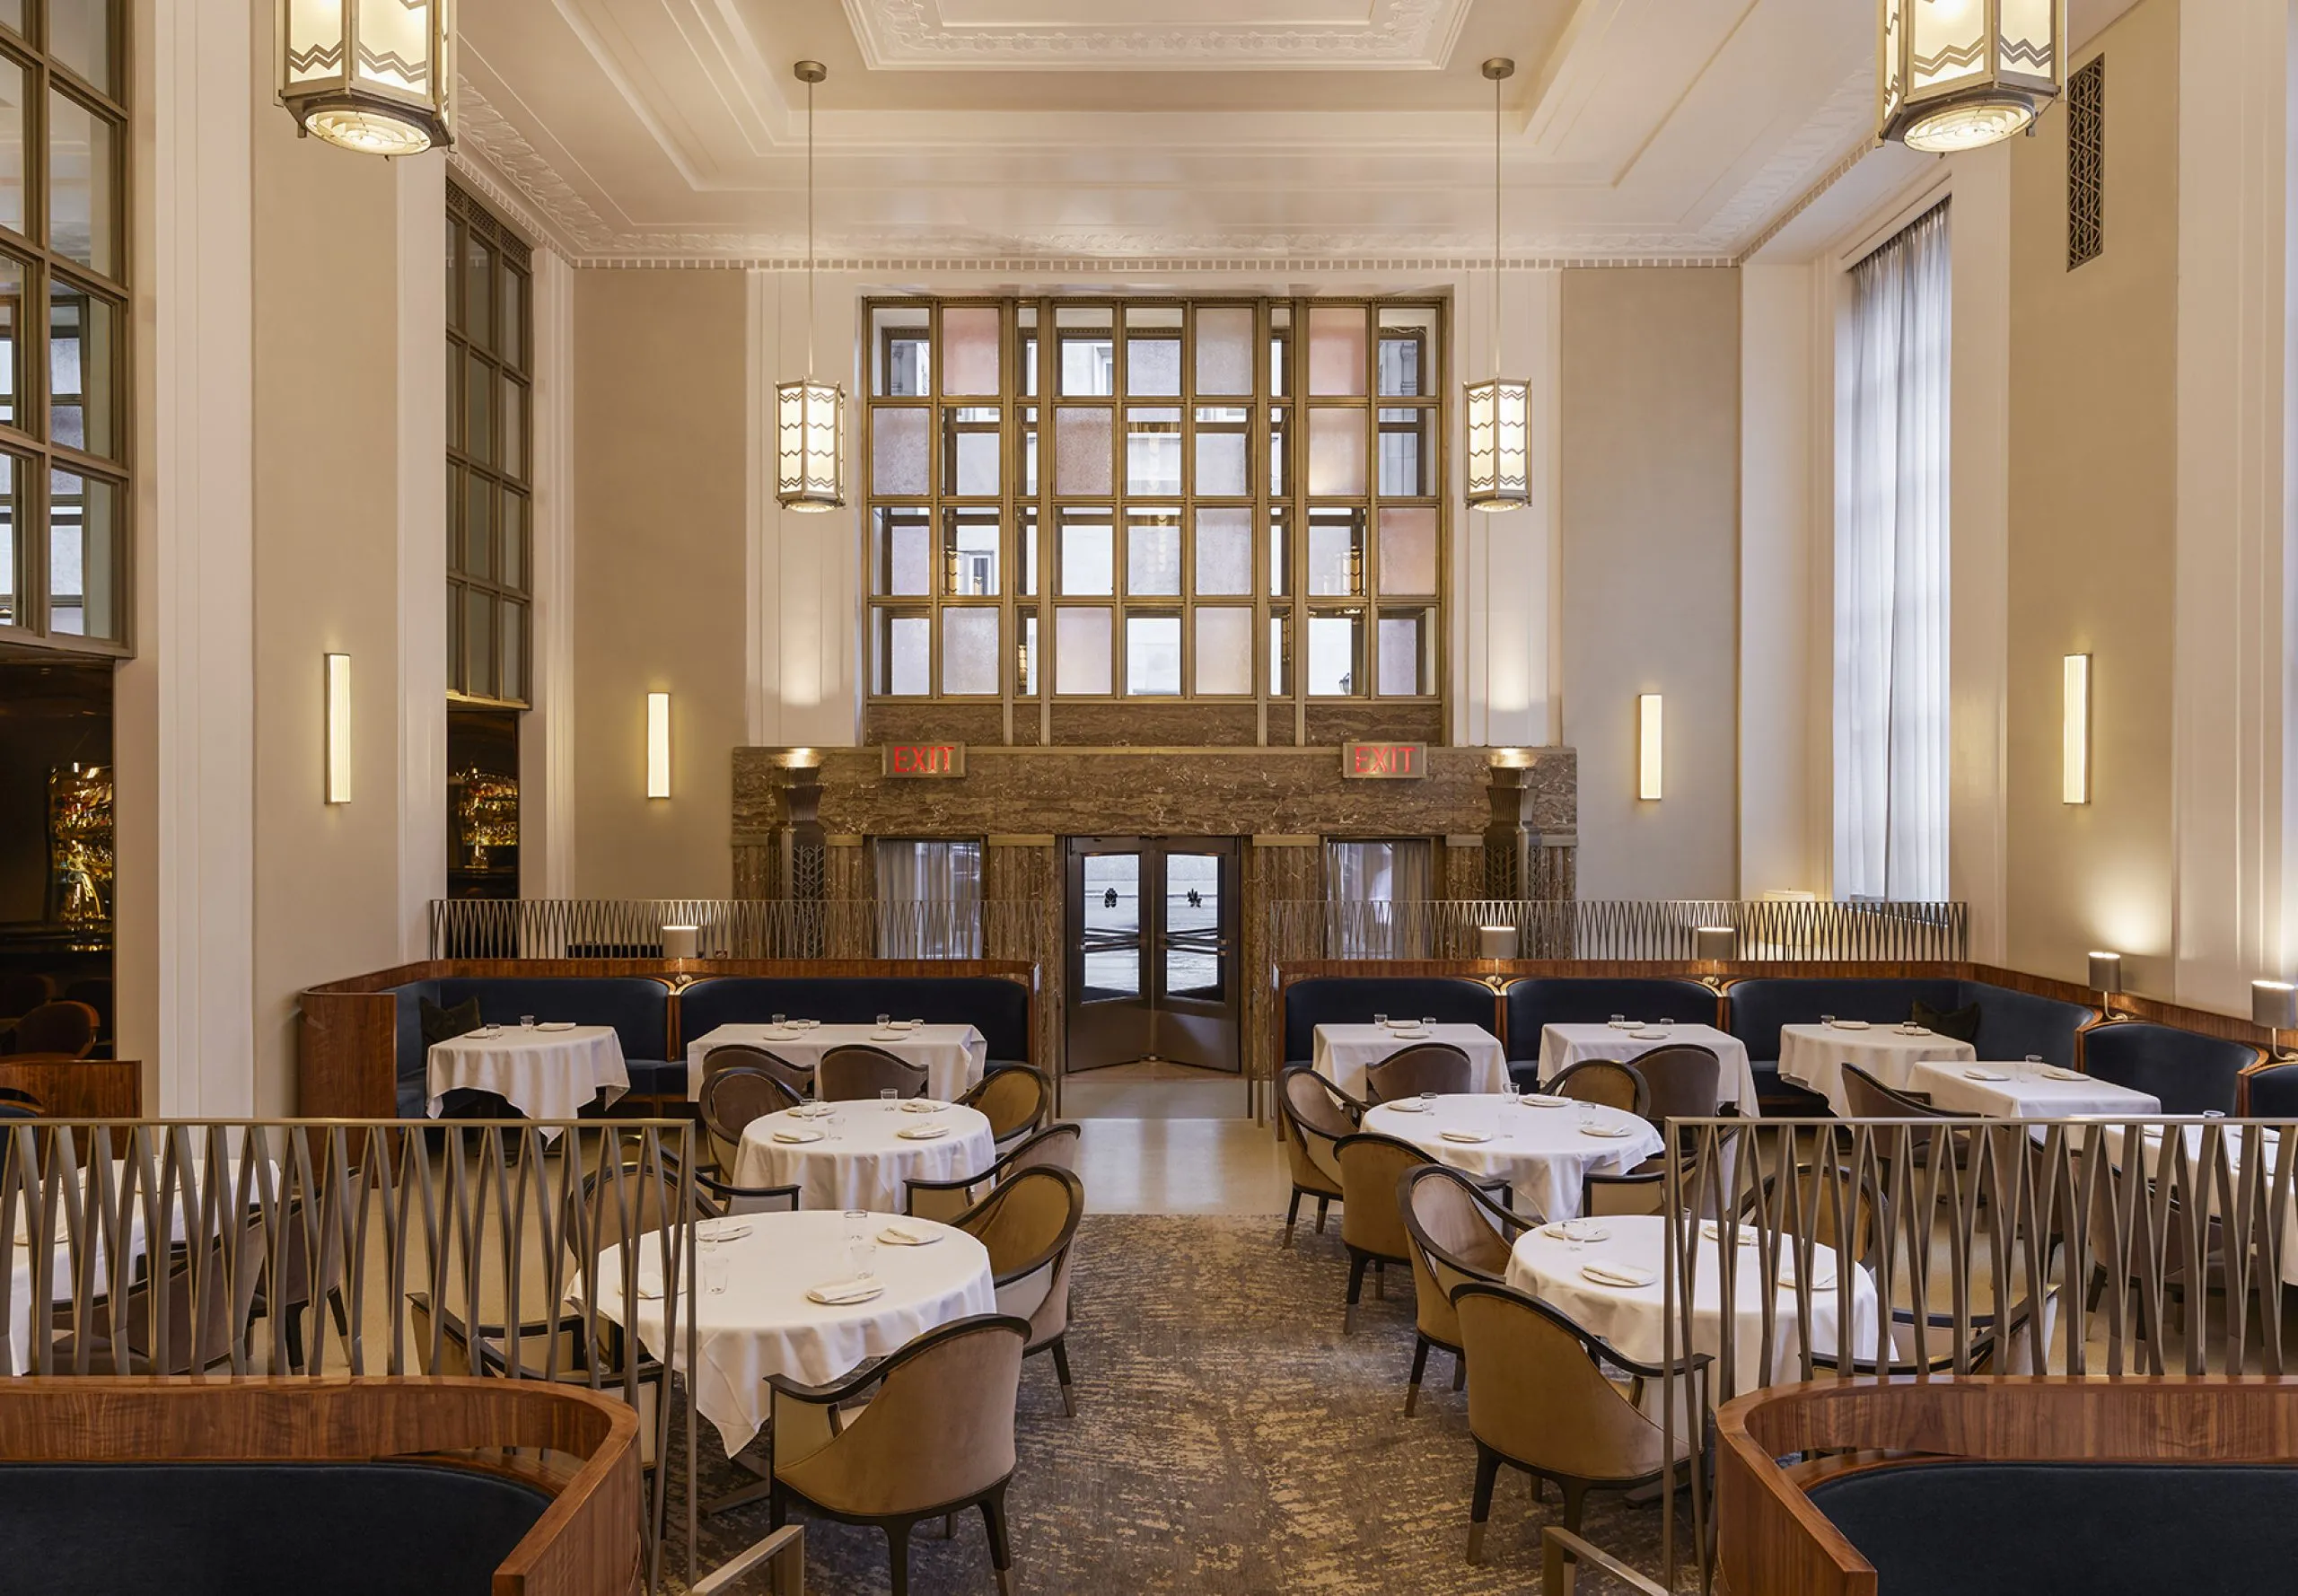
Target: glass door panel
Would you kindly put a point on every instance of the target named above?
(1152, 952)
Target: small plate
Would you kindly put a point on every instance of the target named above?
(724, 1232)
(797, 1138)
(1544, 1099)
(923, 1133)
(1624, 1024)
(889, 1036)
(1622, 1277)
(1654, 1034)
(556, 1025)
(2051, 1072)
(1911, 1029)
(1407, 1104)
(895, 1236)
(1610, 1133)
(845, 1293)
(1413, 1035)
(1578, 1230)
(811, 1112)
(1825, 1281)
(1746, 1233)
(1985, 1076)
(923, 1105)
(1466, 1138)
(1850, 1024)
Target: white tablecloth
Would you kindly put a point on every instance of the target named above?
(1344, 1052)
(545, 1074)
(863, 1159)
(2028, 1094)
(954, 1056)
(1541, 1152)
(1633, 1319)
(762, 1323)
(1813, 1056)
(1563, 1045)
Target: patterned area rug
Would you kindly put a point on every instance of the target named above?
(1229, 1440)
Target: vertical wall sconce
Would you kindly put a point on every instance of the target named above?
(2274, 1005)
(2105, 980)
(2074, 734)
(658, 745)
(339, 728)
(1648, 747)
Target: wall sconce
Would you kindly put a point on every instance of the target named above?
(658, 745)
(2106, 979)
(339, 728)
(2274, 1005)
(2074, 732)
(1648, 747)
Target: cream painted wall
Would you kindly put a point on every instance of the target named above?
(2092, 485)
(1649, 476)
(659, 573)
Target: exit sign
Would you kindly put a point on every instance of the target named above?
(924, 758)
(1384, 761)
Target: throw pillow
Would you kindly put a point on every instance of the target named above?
(440, 1024)
(1959, 1025)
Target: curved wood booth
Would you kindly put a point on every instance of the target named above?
(1988, 1484)
(244, 1486)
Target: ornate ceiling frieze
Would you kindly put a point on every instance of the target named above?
(915, 33)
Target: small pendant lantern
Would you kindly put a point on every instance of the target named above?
(373, 75)
(810, 414)
(1499, 408)
(1956, 74)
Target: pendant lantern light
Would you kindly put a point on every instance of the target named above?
(373, 75)
(1499, 408)
(1955, 74)
(810, 414)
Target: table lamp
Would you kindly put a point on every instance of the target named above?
(2274, 1005)
(2106, 979)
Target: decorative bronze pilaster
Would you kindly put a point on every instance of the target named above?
(805, 849)
(1507, 857)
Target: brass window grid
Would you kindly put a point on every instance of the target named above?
(490, 457)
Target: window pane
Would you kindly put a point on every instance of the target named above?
(515, 429)
(1225, 651)
(1336, 349)
(1408, 453)
(1224, 552)
(1153, 451)
(83, 409)
(1026, 539)
(513, 321)
(478, 297)
(899, 450)
(1336, 551)
(1222, 434)
(969, 340)
(12, 15)
(479, 527)
(1408, 550)
(1407, 669)
(478, 409)
(83, 185)
(1408, 351)
(1088, 355)
(80, 35)
(1028, 658)
(1280, 555)
(970, 441)
(511, 680)
(1279, 425)
(11, 547)
(904, 365)
(1152, 655)
(970, 549)
(1337, 452)
(1152, 365)
(11, 146)
(901, 560)
(901, 653)
(1335, 654)
(1030, 452)
(1153, 553)
(1224, 349)
(969, 650)
(1081, 639)
(1082, 441)
(11, 310)
(512, 544)
(1280, 655)
(478, 642)
(1088, 554)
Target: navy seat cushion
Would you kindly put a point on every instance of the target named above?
(444, 1025)
(229, 1528)
(2011, 1024)
(997, 1008)
(2190, 1072)
(2274, 1093)
(656, 1077)
(1590, 1000)
(1354, 1000)
(2011, 1529)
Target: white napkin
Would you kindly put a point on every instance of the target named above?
(888, 1036)
(2051, 1072)
(842, 1294)
(923, 1105)
(1469, 1137)
(902, 1234)
(1652, 1034)
(1985, 1076)
(1631, 1275)
(1609, 1132)
(556, 1025)
(1414, 1032)
(1849, 1024)
(1715, 1232)
(1624, 1024)
(1542, 1100)
(1407, 1104)
(813, 1111)
(720, 1231)
(1578, 1230)
(797, 1137)
(923, 1133)
(1825, 1280)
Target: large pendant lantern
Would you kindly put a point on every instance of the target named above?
(1499, 408)
(373, 75)
(1956, 74)
(810, 414)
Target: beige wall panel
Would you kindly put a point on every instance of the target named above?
(1650, 482)
(659, 469)
(2093, 490)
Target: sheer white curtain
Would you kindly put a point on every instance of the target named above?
(929, 900)
(1890, 571)
(1378, 893)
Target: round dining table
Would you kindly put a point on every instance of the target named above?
(547, 1072)
(862, 1154)
(1544, 1151)
(754, 1274)
(1813, 1056)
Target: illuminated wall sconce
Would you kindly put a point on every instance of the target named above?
(2274, 1005)
(2105, 980)
(339, 728)
(1648, 747)
(658, 745)
(1713, 944)
(2074, 734)
(681, 942)
(1497, 943)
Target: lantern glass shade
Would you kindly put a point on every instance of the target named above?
(1960, 74)
(1500, 444)
(373, 75)
(809, 444)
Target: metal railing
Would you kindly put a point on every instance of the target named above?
(1625, 930)
(740, 928)
(325, 1247)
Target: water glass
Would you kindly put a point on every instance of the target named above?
(780, 1021)
(888, 1096)
(1428, 1022)
(1620, 1019)
(884, 1020)
(716, 1268)
(2032, 1067)
(526, 1022)
(1428, 1103)
(1380, 1019)
(1827, 1019)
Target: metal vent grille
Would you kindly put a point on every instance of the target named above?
(2086, 156)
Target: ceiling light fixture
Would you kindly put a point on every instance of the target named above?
(1499, 408)
(376, 79)
(1957, 74)
(809, 415)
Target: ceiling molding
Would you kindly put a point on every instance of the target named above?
(1098, 265)
(1396, 35)
(486, 136)
(1838, 134)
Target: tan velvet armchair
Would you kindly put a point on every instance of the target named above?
(1030, 1224)
(1317, 1115)
(1459, 1234)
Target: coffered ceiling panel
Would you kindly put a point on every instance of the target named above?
(1212, 128)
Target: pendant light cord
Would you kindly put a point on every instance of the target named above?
(809, 228)
(1495, 227)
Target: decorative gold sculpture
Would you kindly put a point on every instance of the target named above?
(487, 812)
(80, 852)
